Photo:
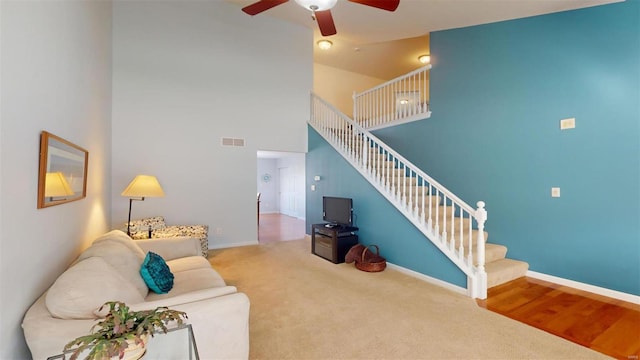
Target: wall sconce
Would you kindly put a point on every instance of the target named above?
(324, 44)
(140, 187)
(425, 59)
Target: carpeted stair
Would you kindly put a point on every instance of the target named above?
(499, 268)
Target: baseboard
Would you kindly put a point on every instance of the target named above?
(635, 299)
(230, 245)
(429, 279)
(419, 276)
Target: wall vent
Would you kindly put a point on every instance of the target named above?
(232, 142)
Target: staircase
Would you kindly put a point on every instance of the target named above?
(455, 227)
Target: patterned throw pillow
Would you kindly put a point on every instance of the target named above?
(156, 273)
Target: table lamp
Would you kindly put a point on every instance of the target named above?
(140, 187)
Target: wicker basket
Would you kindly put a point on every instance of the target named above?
(365, 260)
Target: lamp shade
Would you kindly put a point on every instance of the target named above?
(55, 184)
(144, 186)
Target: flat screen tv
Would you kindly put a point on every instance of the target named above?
(337, 210)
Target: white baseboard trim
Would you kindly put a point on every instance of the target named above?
(429, 279)
(419, 276)
(230, 245)
(586, 287)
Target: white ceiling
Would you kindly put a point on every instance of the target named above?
(368, 37)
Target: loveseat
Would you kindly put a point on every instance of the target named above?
(109, 270)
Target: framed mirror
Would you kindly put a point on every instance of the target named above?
(63, 171)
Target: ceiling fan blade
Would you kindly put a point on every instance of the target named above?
(325, 22)
(389, 5)
(262, 5)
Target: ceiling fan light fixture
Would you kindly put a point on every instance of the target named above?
(324, 44)
(317, 5)
(425, 59)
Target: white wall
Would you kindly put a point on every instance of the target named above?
(337, 86)
(56, 76)
(187, 74)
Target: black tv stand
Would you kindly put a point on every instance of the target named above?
(332, 243)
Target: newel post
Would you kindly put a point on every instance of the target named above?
(481, 217)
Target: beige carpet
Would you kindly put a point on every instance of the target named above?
(304, 307)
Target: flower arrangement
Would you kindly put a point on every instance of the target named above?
(122, 328)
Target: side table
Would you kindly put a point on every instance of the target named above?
(177, 344)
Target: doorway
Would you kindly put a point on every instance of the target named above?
(281, 190)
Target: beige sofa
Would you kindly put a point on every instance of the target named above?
(109, 270)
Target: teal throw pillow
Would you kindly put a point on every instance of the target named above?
(156, 273)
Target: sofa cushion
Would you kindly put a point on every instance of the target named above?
(190, 280)
(121, 252)
(156, 273)
(121, 238)
(86, 286)
(188, 263)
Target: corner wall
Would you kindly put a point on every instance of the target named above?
(498, 93)
(56, 76)
(336, 86)
(187, 74)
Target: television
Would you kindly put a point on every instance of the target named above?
(337, 210)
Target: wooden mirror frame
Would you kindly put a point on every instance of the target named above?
(58, 155)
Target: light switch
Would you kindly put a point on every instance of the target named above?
(569, 123)
(313, 188)
(555, 192)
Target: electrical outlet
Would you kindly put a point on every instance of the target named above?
(313, 188)
(218, 231)
(555, 192)
(569, 123)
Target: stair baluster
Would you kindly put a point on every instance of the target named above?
(407, 187)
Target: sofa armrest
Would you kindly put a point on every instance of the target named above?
(186, 298)
(220, 326)
(171, 248)
(45, 335)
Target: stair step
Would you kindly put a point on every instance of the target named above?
(465, 238)
(391, 172)
(420, 198)
(504, 270)
(465, 223)
(492, 252)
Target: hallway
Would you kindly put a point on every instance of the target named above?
(278, 227)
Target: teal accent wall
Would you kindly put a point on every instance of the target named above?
(379, 222)
(498, 93)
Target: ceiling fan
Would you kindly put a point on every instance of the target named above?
(320, 9)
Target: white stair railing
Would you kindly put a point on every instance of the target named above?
(453, 226)
(397, 101)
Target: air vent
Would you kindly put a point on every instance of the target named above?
(232, 142)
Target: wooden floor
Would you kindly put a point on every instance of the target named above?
(278, 227)
(606, 325)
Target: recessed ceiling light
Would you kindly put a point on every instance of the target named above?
(425, 59)
(324, 44)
